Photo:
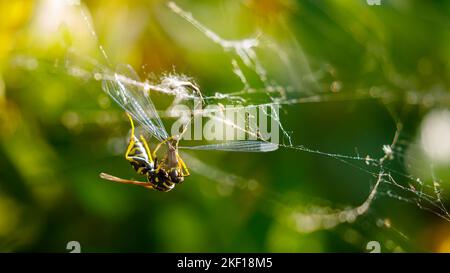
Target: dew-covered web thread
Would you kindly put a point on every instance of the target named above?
(245, 50)
(386, 180)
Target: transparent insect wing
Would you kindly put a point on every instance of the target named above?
(237, 146)
(127, 90)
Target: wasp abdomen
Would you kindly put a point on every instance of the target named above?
(138, 157)
(141, 167)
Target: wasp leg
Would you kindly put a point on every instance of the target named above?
(184, 130)
(126, 181)
(132, 142)
(159, 146)
(182, 166)
(147, 149)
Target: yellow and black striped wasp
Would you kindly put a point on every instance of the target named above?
(162, 173)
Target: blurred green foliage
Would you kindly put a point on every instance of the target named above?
(58, 132)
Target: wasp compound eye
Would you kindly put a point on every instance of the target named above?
(175, 177)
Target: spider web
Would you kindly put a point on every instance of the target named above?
(387, 181)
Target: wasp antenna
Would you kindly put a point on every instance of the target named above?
(125, 181)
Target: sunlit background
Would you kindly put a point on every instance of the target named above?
(362, 71)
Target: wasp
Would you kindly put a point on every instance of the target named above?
(162, 173)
